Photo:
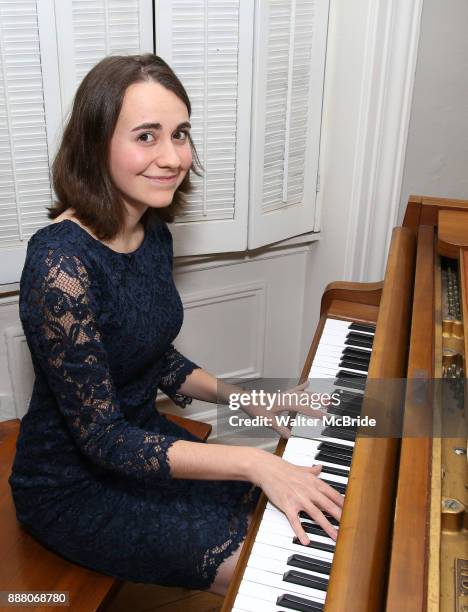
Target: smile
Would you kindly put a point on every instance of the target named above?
(163, 180)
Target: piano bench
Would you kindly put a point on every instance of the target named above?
(28, 566)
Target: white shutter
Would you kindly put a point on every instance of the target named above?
(88, 30)
(290, 45)
(24, 165)
(46, 47)
(208, 43)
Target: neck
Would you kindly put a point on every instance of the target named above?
(131, 235)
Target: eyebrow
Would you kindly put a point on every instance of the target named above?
(158, 126)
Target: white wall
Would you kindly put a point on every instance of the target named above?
(437, 150)
(371, 62)
(243, 318)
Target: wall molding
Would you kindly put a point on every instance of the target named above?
(387, 80)
(254, 290)
(290, 247)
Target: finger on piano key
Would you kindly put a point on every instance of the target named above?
(329, 468)
(330, 477)
(271, 531)
(285, 543)
(274, 520)
(290, 453)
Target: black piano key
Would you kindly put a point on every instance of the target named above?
(306, 580)
(360, 342)
(344, 410)
(293, 602)
(350, 381)
(338, 486)
(362, 327)
(349, 396)
(352, 375)
(333, 459)
(353, 365)
(341, 449)
(314, 529)
(340, 433)
(327, 469)
(330, 519)
(314, 544)
(357, 354)
(361, 337)
(313, 565)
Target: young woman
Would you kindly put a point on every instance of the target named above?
(100, 476)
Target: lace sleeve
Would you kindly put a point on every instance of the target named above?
(176, 369)
(58, 314)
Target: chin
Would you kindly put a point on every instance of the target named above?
(160, 203)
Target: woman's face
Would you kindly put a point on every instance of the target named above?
(150, 151)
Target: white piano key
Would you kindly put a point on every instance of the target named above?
(291, 451)
(336, 324)
(265, 580)
(330, 359)
(286, 543)
(274, 542)
(335, 341)
(279, 524)
(278, 567)
(333, 477)
(248, 603)
(259, 549)
(307, 461)
(273, 530)
(349, 443)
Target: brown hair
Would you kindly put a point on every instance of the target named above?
(80, 171)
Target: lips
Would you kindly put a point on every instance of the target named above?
(162, 179)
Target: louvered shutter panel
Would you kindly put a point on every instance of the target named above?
(24, 168)
(288, 91)
(89, 30)
(208, 44)
(46, 47)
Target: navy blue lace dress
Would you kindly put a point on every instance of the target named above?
(91, 478)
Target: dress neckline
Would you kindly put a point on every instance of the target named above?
(107, 248)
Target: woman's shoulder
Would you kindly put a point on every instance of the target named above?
(60, 245)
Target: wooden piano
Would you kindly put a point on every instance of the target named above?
(403, 539)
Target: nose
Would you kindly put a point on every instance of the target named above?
(167, 155)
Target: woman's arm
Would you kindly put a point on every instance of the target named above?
(205, 387)
(289, 487)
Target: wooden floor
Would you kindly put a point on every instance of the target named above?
(149, 598)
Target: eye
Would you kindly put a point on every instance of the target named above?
(181, 135)
(146, 137)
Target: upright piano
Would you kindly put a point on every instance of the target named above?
(394, 351)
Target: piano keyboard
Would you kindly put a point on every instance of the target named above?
(281, 573)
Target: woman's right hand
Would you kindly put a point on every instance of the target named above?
(293, 489)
